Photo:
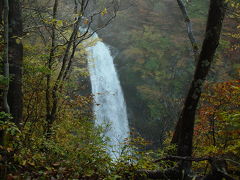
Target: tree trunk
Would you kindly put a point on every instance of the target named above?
(49, 117)
(15, 96)
(5, 57)
(5, 62)
(1, 11)
(183, 135)
(57, 88)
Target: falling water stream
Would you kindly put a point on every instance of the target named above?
(109, 107)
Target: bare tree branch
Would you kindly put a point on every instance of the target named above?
(189, 29)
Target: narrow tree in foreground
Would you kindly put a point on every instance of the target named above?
(5, 56)
(183, 135)
(5, 10)
(1, 11)
(15, 60)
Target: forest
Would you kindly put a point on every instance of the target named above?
(120, 89)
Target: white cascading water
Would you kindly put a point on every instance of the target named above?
(109, 104)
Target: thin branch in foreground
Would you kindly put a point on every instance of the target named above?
(179, 158)
(189, 29)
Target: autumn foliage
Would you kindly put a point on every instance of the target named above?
(217, 130)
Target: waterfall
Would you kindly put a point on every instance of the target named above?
(109, 106)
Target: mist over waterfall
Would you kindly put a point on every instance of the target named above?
(109, 106)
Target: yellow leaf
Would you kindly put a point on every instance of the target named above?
(104, 12)
(18, 41)
(31, 163)
(85, 21)
(24, 162)
(9, 149)
(60, 23)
